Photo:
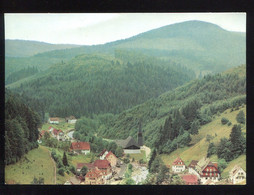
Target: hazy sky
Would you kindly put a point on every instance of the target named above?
(90, 29)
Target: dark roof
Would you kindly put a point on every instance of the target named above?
(127, 142)
(103, 151)
(193, 164)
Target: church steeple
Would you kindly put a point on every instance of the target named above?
(140, 136)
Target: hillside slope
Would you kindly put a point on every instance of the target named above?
(93, 84)
(199, 143)
(197, 100)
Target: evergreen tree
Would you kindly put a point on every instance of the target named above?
(194, 127)
(153, 155)
(240, 117)
(84, 171)
(237, 141)
(211, 149)
(65, 160)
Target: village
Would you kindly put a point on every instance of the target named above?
(109, 169)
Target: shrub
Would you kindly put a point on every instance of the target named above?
(61, 171)
(229, 123)
(126, 160)
(240, 118)
(224, 120)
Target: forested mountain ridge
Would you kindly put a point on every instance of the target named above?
(21, 128)
(24, 48)
(200, 46)
(92, 84)
(185, 108)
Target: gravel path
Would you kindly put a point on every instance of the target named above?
(148, 151)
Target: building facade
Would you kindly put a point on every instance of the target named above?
(178, 165)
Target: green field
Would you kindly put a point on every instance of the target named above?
(62, 125)
(36, 163)
(200, 145)
(138, 156)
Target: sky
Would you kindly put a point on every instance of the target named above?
(100, 28)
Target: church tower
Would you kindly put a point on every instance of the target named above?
(140, 136)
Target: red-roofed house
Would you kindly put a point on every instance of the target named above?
(178, 165)
(103, 154)
(190, 179)
(94, 177)
(111, 158)
(105, 167)
(53, 120)
(80, 147)
(81, 165)
(207, 170)
(58, 134)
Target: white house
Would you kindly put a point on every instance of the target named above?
(237, 175)
(178, 165)
(53, 121)
(71, 120)
(103, 154)
(80, 147)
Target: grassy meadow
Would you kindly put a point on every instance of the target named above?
(199, 145)
(36, 162)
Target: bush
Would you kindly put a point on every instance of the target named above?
(229, 123)
(126, 160)
(61, 171)
(222, 164)
(224, 120)
(130, 166)
(141, 161)
(240, 118)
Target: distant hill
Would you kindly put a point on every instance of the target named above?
(201, 46)
(23, 48)
(92, 84)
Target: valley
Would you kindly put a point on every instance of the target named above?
(164, 107)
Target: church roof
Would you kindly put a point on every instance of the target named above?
(127, 142)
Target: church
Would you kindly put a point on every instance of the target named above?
(129, 145)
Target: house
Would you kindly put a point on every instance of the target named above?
(103, 154)
(111, 158)
(80, 147)
(105, 167)
(237, 175)
(81, 165)
(190, 179)
(207, 170)
(178, 165)
(191, 167)
(58, 134)
(129, 145)
(71, 119)
(94, 177)
(41, 134)
(53, 120)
